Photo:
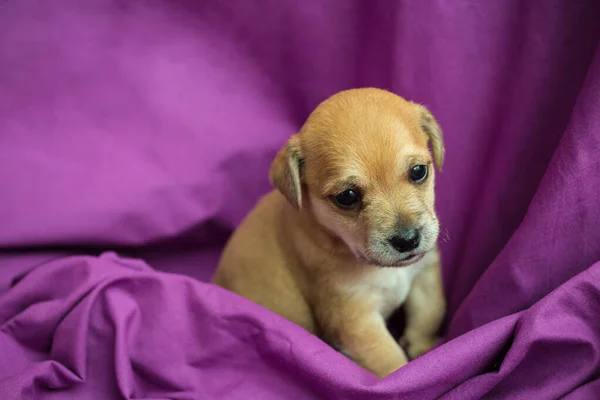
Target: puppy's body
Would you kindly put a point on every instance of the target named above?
(338, 269)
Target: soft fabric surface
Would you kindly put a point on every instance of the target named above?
(134, 136)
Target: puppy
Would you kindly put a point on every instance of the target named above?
(350, 233)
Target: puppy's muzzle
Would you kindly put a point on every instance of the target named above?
(406, 240)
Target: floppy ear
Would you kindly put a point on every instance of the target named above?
(286, 170)
(433, 130)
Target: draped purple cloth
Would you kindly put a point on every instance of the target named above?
(134, 136)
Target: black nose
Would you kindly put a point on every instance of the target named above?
(406, 241)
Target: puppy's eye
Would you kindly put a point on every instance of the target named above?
(418, 173)
(347, 199)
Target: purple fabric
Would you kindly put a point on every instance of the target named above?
(134, 136)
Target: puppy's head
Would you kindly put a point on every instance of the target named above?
(363, 165)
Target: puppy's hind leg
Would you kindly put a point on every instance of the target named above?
(425, 308)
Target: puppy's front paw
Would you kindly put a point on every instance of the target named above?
(419, 345)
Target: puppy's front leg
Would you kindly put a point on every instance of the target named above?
(425, 308)
(362, 335)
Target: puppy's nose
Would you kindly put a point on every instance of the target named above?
(406, 241)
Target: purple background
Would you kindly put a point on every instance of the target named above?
(145, 129)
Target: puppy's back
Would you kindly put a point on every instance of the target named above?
(255, 266)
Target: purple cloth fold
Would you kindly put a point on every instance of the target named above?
(134, 137)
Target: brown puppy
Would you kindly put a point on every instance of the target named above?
(351, 233)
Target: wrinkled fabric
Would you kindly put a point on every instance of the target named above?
(135, 136)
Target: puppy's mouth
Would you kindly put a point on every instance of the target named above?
(411, 259)
(404, 262)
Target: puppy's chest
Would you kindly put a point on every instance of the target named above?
(387, 288)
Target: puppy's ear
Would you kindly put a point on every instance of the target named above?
(286, 170)
(433, 130)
